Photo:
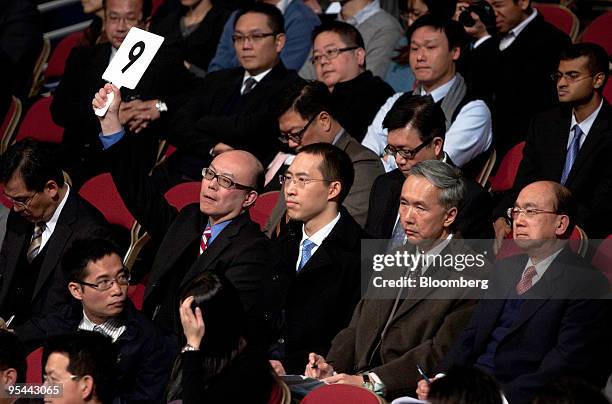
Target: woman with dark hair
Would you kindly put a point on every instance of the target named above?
(217, 364)
(195, 27)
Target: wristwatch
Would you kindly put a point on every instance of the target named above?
(189, 348)
(161, 106)
(367, 383)
(373, 384)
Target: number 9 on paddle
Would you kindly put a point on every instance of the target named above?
(131, 61)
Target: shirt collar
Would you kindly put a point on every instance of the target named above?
(217, 228)
(436, 250)
(112, 327)
(363, 14)
(519, 28)
(337, 137)
(50, 225)
(586, 124)
(541, 266)
(282, 5)
(440, 92)
(258, 77)
(322, 233)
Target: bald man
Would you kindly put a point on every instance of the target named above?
(541, 317)
(215, 235)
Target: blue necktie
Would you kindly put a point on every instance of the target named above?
(307, 247)
(397, 237)
(572, 152)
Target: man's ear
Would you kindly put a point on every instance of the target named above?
(8, 377)
(360, 53)
(250, 199)
(76, 290)
(86, 386)
(280, 42)
(51, 189)
(325, 120)
(335, 187)
(456, 53)
(599, 80)
(451, 215)
(562, 225)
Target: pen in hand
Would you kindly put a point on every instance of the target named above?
(423, 375)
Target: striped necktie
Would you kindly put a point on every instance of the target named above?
(36, 241)
(204, 240)
(526, 280)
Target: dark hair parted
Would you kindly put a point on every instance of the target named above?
(335, 165)
(420, 112)
(34, 162)
(596, 55)
(89, 354)
(348, 33)
(12, 354)
(276, 22)
(465, 385)
(84, 251)
(147, 7)
(307, 98)
(453, 30)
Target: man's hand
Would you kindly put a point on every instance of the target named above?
(502, 229)
(193, 323)
(137, 114)
(478, 30)
(221, 148)
(423, 389)
(278, 367)
(343, 378)
(110, 121)
(317, 367)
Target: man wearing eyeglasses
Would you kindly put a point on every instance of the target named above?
(323, 245)
(214, 235)
(339, 59)
(47, 216)
(417, 133)
(306, 118)
(542, 316)
(572, 143)
(435, 46)
(97, 279)
(234, 108)
(159, 92)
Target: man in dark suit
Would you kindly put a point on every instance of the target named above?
(234, 108)
(542, 316)
(572, 143)
(306, 118)
(324, 245)
(155, 94)
(215, 235)
(527, 54)
(98, 282)
(47, 217)
(416, 133)
(396, 327)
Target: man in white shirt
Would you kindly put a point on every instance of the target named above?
(46, 217)
(435, 46)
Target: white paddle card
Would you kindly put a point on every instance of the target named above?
(133, 57)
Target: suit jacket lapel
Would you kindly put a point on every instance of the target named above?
(56, 245)
(220, 243)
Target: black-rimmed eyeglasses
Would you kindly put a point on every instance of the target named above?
(406, 153)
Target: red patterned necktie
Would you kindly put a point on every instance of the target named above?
(204, 240)
(525, 283)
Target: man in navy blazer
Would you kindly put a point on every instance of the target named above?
(542, 317)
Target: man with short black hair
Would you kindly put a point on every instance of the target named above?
(13, 364)
(339, 58)
(46, 218)
(84, 365)
(435, 47)
(323, 244)
(99, 281)
(305, 118)
(572, 143)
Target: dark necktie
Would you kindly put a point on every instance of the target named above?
(248, 85)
